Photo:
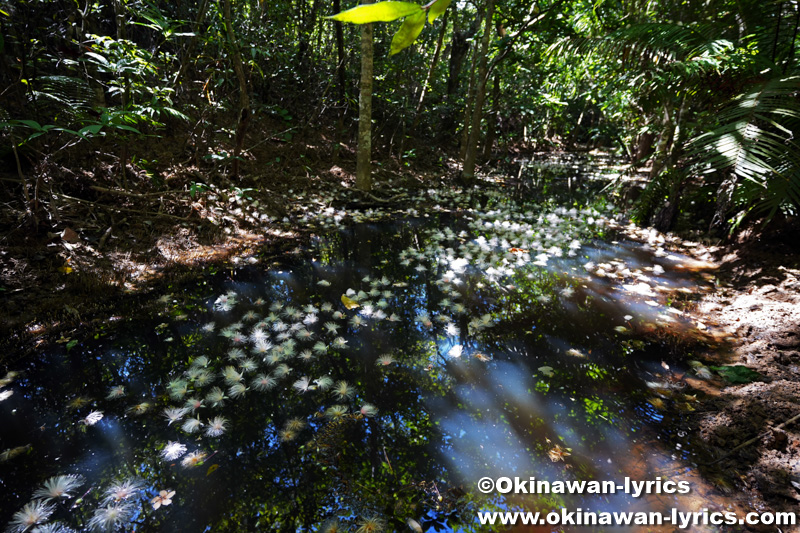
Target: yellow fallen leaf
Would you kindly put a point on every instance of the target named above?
(349, 303)
(65, 269)
(211, 469)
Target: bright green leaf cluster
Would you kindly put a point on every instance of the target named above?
(390, 10)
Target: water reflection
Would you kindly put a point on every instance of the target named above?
(371, 385)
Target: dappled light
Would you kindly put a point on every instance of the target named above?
(442, 266)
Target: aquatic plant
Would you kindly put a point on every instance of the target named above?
(200, 362)
(59, 487)
(225, 302)
(193, 404)
(304, 335)
(451, 330)
(455, 351)
(250, 316)
(319, 348)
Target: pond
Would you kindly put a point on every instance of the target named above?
(370, 385)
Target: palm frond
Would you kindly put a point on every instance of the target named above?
(753, 139)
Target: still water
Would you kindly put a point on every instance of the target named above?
(371, 384)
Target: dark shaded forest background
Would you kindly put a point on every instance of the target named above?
(119, 94)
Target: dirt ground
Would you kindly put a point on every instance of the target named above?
(754, 427)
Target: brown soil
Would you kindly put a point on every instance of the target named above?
(99, 243)
(758, 305)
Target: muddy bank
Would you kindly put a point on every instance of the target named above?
(757, 304)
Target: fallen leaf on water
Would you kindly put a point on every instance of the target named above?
(349, 303)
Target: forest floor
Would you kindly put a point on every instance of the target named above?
(127, 246)
(757, 303)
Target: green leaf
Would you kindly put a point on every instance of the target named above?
(98, 58)
(126, 128)
(94, 129)
(380, 12)
(737, 374)
(32, 124)
(437, 8)
(408, 32)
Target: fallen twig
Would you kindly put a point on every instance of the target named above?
(114, 208)
(754, 439)
(132, 194)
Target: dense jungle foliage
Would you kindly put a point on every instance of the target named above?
(701, 95)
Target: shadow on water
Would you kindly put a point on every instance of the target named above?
(464, 347)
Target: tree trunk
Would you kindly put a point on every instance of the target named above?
(468, 169)
(468, 106)
(244, 98)
(459, 47)
(341, 73)
(491, 128)
(431, 70)
(364, 156)
(187, 58)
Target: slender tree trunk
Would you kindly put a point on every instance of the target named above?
(462, 150)
(491, 128)
(119, 15)
(187, 58)
(341, 72)
(244, 98)
(468, 169)
(431, 69)
(364, 156)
